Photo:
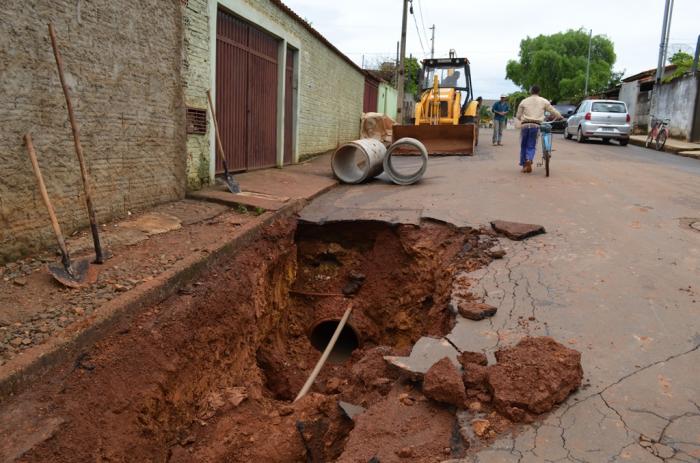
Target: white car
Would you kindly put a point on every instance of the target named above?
(604, 119)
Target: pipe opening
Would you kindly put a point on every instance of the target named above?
(347, 342)
(351, 164)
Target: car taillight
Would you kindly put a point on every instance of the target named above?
(588, 116)
(628, 117)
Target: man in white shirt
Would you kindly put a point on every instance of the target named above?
(531, 114)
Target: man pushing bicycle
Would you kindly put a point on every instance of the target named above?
(531, 113)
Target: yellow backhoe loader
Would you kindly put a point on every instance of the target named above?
(446, 117)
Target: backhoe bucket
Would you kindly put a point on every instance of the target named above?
(440, 139)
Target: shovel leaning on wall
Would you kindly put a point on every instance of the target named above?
(100, 256)
(71, 274)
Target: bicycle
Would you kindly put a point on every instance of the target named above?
(658, 133)
(546, 131)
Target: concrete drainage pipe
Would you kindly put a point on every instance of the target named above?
(401, 178)
(358, 160)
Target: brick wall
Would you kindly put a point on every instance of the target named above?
(195, 81)
(123, 62)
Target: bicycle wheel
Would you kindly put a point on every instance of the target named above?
(661, 141)
(546, 163)
(650, 137)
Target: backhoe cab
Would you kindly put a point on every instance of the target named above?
(446, 115)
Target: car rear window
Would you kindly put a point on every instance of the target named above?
(602, 107)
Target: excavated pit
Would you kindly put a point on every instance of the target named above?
(210, 373)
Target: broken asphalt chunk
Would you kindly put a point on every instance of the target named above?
(476, 310)
(425, 353)
(515, 230)
(350, 410)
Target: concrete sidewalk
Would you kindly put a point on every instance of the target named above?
(271, 189)
(681, 148)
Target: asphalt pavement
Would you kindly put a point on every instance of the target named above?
(616, 276)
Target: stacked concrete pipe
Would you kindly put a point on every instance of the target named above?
(358, 160)
(398, 177)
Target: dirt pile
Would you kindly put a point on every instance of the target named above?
(401, 430)
(532, 377)
(443, 383)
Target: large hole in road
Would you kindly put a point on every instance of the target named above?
(210, 373)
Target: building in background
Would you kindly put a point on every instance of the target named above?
(676, 100)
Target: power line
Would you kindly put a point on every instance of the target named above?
(417, 30)
(422, 22)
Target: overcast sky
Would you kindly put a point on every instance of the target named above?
(488, 32)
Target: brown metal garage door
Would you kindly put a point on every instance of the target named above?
(246, 94)
(371, 95)
(289, 108)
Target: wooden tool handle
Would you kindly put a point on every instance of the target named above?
(45, 196)
(219, 146)
(331, 344)
(99, 257)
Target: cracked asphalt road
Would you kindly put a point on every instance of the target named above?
(617, 277)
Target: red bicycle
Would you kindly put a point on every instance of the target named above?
(658, 133)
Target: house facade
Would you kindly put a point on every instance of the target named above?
(283, 92)
(139, 74)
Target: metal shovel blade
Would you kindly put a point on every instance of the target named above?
(231, 183)
(80, 274)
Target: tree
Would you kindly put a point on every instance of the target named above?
(386, 68)
(683, 62)
(412, 66)
(557, 63)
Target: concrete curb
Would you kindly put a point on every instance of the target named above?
(668, 149)
(20, 372)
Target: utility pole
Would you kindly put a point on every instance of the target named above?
(668, 32)
(396, 66)
(663, 46)
(432, 43)
(402, 65)
(697, 55)
(588, 63)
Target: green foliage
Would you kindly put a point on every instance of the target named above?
(485, 113)
(514, 100)
(683, 62)
(412, 66)
(557, 63)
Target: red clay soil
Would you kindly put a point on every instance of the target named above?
(443, 383)
(397, 430)
(207, 375)
(35, 307)
(532, 377)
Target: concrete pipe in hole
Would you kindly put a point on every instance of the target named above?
(358, 160)
(322, 332)
(409, 169)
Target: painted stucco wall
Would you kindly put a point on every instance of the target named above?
(629, 92)
(676, 100)
(123, 66)
(387, 99)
